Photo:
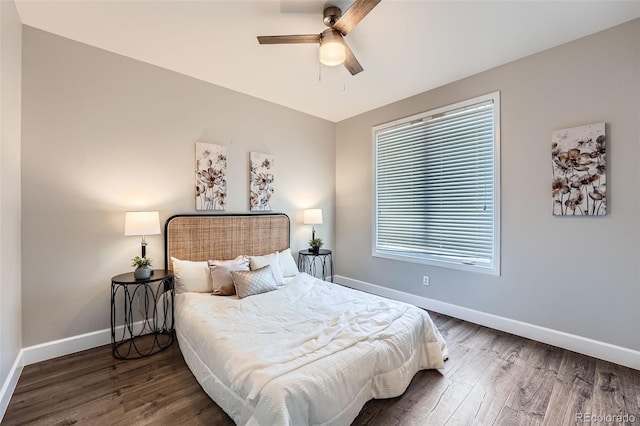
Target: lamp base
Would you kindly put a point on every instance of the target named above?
(144, 252)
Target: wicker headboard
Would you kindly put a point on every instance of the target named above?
(204, 237)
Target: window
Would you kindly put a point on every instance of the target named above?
(436, 195)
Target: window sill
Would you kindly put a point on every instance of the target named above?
(489, 270)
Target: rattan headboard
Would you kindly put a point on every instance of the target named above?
(204, 237)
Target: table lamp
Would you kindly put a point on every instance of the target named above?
(313, 217)
(142, 223)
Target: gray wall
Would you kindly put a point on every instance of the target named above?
(577, 275)
(10, 295)
(103, 134)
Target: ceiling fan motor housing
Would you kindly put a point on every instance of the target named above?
(331, 15)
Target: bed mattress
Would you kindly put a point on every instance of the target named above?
(311, 352)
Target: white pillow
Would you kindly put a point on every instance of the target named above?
(248, 283)
(257, 262)
(287, 264)
(221, 277)
(191, 276)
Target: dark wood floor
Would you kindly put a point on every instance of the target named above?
(491, 378)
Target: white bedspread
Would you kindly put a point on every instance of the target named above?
(311, 352)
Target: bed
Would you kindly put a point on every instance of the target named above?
(307, 352)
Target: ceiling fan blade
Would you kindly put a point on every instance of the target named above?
(350, 62)
(354, 15)
(289, 39)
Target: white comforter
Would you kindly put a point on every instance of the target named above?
(311, 352)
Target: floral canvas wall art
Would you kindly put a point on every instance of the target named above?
(578, 157)
(261, 181)
(211, 180)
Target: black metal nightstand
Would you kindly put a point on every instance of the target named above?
(148, 327)
(312, 263)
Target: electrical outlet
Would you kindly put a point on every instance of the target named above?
(425, 280)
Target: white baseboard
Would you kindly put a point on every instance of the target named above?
(66, 346)
(617, 354)
(69, 345)
(9, 385)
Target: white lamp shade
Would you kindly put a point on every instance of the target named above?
(141, 223)
(313, 217)
(332, 51)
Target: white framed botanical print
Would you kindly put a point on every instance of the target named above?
(261, 181)
(211, 179)
(579, 161)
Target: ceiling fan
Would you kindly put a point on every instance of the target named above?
(333, 48)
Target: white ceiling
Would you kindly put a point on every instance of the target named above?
(406, 47)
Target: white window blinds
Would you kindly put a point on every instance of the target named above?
(435, 186)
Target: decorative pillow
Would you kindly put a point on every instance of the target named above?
(258, 281)
(287, 264)
(222, 281)
(257, 262)
(191, 276)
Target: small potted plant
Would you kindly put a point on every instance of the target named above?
(143, 267)
(315, 244)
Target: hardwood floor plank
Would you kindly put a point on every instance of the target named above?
(378, 416)
(399, 409)
(509, 416)
(636, 384)
(529, 399)
(161, 410)
(102, 411)
(509, 348)
(630, 386)
(615, 393)
(468, 367)
(543, 356)
(467, 335)
(572, 390)
(54, 400)
(491, 378)
(533, 392)
(487, 398)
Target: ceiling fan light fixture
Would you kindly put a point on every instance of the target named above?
(332, 51)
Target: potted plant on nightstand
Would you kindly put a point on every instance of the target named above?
(143, 267)
(315, 244)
